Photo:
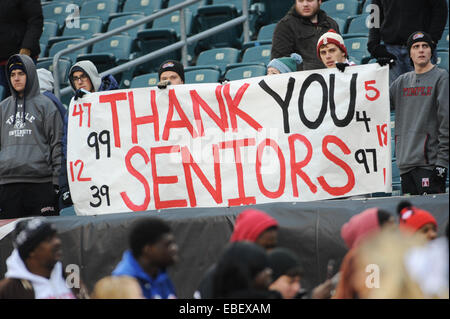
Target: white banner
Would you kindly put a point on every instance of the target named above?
(300, 136)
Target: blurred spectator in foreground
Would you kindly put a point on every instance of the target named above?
(416, 220)
(30, 145)
(152, 250)
(21, 25)
(34, 269)
(397, 20)
(420, 99)
(284, 65)
(359, 228)
(251, 225)
(243, 272)
(299, 30)
(117, 287)
(286, 272)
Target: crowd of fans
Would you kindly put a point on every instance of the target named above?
(33, 174)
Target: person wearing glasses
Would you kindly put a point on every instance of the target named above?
(84, 79)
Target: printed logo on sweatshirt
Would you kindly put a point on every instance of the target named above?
(20, 124)
(418, 91)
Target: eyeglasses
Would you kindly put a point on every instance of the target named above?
(82, 77)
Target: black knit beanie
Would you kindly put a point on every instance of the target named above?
(420, 36)
(171, 65)
(28, 234)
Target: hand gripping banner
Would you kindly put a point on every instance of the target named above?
(301, 136)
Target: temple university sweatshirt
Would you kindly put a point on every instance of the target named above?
(421, 119)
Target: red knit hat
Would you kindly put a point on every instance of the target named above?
(250, 224)
(360, 226)
(331, 36)
(414, 218)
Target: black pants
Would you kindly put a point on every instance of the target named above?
(421, 181)
(27, 199)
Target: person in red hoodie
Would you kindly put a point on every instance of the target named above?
(358, 229)
(416, 220)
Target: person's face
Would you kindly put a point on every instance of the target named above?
(18, 80)
(48, 252)
(307, 8)
(171, 76)
(165, 252)
(268, 239)
(271, 71)
(429, 231)
(287, 286)
(81, 81)
(420, 53)
(330, 54)
(263, 279)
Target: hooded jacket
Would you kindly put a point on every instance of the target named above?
(46, 86)
(160, 287)
(30, 133)
(19, 282)
(250, 224)
(296, 34)
(21, 23)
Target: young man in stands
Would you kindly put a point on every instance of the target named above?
(170, 72)
(152, 250)
(420, 99)
(299, 31)
(332, 52)
(30, 145)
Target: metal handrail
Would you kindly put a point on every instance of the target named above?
(184, 41)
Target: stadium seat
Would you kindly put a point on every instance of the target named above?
(442, 59)
(341, 24)
(50, 30)
(99, 8)
(396, 180)
(43, 48)
(202, 76)
(87, 29)
(56, 12)
(357, 49)
(172, 21)
(236, 3)
(258, 54)
(72, 56)
(220, 57)
(193, 7)
(147, 7)
(145, 80)
(245, 72)
(110, 52)
(443, 42)
(63, 67)
(265, 35)
(340, 8)
(357, 27)
(211, 16)
(271, 11)
(2, 92)
(121, 21)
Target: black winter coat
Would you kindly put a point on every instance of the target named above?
(296, 34)
(21, 23)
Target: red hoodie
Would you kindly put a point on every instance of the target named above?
(250, 224)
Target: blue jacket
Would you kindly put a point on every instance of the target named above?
(160, 287)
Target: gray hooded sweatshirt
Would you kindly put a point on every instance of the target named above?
(30, 133)
(421, 119)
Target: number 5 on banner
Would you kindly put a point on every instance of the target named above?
(78, 111)
(79, 178)
(368, 87)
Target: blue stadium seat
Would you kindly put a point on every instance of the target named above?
(50, 30)
(202, 76)
(172, 21)
(147, 7)
(341, 24)
(340, 8)
(357, 49)
(110, 52)
(145, 80)
(121, 21)
(99, 8)
(2, 92)
(63, 67)
(88, 27)
(236, 3)
(245, 72)
(442, 59)
(271, 11)
(396, 180)
(72, 56)
(357, 26)
(193, 7)
(56, 12)
(220, 57)
(211, 16)
(443, 42)
(43, 48)
(258, 54)
(266, 32)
